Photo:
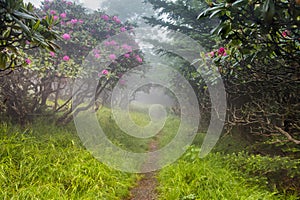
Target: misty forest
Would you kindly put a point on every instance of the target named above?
(150, 99)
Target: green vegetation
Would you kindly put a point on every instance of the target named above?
(47, 162)
(253, 45)
(225, 177)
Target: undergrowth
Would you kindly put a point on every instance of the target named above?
(218, 176)
(48, 162)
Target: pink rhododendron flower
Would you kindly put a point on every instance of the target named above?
(97, 55)
(211, 54)
(55, 17)
(127, 55)
(113, 43)
(74, 21)
(28, 61)
(66, 36)
(110, 43)
(96, 51)
(80, 21)
(104, 72)
(221, 51)
(69, 3)
(285, 33)
(106, 43)
(63, 15)
(112, 57)
(127, 47)
(123, 29)
(139, 59)
(52, 12)
(27, 42)
(116, 19)
(62, 23)
(52, 54)
(66, 58)
(105, 17)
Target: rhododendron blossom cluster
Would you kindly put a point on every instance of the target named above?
(78, 42)
(66, 36)
(220, 52)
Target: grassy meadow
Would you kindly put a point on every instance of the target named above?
(43, 161)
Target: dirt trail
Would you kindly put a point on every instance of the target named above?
(146, 187)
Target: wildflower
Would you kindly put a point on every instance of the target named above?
(127, 55)
(52, 12)
(66, 58)
(55, 17)
(80, 21)
(69, 3)
(66, 36)
(27, 42)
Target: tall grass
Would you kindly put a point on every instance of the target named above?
(47, 162)
(216, 177)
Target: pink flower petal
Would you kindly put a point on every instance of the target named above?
(66, 36)
(66, 58)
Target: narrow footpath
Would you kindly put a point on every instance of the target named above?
(146, 186)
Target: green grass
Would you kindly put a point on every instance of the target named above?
(47, 162)
(220, 177)
(44, 161)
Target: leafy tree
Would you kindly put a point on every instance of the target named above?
(181, 15)
(260, 65)
(50, 76)
(21, 29)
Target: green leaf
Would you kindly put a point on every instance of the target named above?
(23, 26)
(23, 15)
(240, 2)
(37, 24)
(3, 60)
(215, 13)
